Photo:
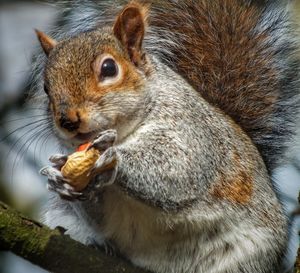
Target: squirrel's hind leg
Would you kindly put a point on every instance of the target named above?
(59, 212)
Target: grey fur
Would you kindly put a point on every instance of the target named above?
(271, 134)
(167, 166)
(161, 211)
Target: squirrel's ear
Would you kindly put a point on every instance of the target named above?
(47, 42)
(129, 28)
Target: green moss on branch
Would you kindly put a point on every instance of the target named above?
(56, 252)
(52, 250)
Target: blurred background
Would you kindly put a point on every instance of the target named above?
(23, 149)
(25, 143)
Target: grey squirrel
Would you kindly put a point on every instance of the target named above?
(192, 104)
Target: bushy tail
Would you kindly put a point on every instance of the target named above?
(240, 57)
(239, 54)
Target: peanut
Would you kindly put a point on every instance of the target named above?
(78, 166)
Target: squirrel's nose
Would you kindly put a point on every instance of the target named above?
(68, 123)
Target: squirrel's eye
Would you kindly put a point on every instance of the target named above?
(109, 69)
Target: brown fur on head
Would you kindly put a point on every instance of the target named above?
(83, 99)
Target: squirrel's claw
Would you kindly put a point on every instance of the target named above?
(57, 183)
(104, 172)
(107, 161)
(104, 140)
(107, 246)
(110, 249)
(58, 160)
(52, 174)
(105, 179)
(105, 168)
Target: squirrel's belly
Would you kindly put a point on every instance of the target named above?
(133, 226)
(146, 237)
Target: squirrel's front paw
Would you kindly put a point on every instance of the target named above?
(104, 140)
(78, 175)
(108, 158)
(105, 168)
(104, 173)
(57, 183)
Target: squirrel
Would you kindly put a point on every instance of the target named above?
(193, 104)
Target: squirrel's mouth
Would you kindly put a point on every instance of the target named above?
(85, 137)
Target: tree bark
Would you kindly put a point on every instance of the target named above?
(56, 252)
(52, 250)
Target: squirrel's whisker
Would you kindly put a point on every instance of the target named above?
(24, 147)
(23, 118)
(34, 123)
(25, 134)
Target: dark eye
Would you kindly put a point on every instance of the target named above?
(109, 69)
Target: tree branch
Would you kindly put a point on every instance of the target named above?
(56, 252)
(52, 250)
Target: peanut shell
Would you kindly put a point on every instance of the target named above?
(78, 166)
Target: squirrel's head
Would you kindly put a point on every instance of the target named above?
(95, 80)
